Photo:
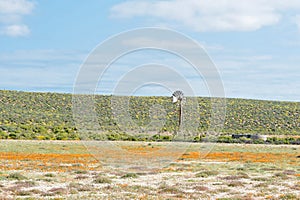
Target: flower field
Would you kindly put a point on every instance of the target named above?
(70, 170)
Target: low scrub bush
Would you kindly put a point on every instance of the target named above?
(102, 179)
(16, 176)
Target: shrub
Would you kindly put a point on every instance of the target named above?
(225, 139)
(166, 138)
(164, 188)
(12, 136)
(130, 175)
(201, 188)
(23, 193)
(205, 174)
(235, 184)
(258, 141)
(80, 172)
(50, 175)
(16, 176)
(101, 179)
(245, 140)
(3, 135)
(288, 196)
(197, 139)
(281, 175)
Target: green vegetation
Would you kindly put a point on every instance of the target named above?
(205, 174)
(16, 176)
(130, 175)
(48, 116)
(270, 140)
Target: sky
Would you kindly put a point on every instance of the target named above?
(254, 44)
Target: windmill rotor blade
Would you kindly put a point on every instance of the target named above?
(178, 95)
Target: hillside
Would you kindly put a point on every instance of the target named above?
(27, 115)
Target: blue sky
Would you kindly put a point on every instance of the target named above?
(254, 44)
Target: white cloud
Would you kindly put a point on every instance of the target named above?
(203, 15)
(11, 14)
(16, 30)
(16, 6)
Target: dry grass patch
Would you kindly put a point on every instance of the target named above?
(201, 188)
(235, 184)
(80, 187)
(281, 175)
(231, 177)
(243, 175)
(23, 193)
(288, 197)
(289, 172)
(164, 188)
(56, 191)
(296, 186)
(264, 179)
(261, 185)
(81, 177)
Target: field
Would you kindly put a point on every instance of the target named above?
(43, 155)
(68, 170)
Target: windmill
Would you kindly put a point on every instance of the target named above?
(178, 96)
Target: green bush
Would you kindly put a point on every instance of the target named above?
(12, 136)
(225, 139)
(258, 141)
(102, 179)
(16, 176)
(205, 174)
(130, 175)
(3, 135)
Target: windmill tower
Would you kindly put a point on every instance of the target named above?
(178, 97)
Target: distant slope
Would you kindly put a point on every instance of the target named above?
(27, 115)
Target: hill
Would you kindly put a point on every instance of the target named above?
(30, 115)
